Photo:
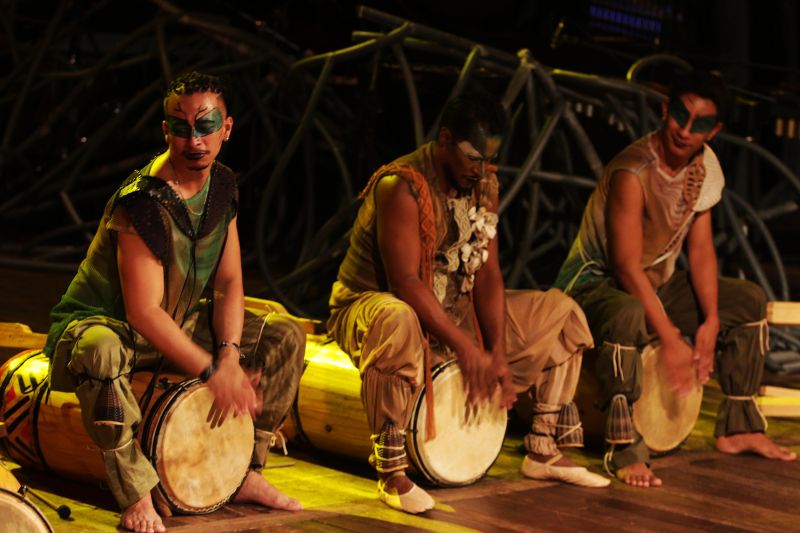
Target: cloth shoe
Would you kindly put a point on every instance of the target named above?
(576, 475)
(414, 501)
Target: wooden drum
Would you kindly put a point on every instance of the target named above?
(329, 415)
(199, 466)
(19, 515)
(662, 418)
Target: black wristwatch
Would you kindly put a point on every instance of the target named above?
(206, 374)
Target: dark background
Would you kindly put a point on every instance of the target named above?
(81, 81)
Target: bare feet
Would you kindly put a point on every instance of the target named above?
(757, 443)
(638, 475)
(258, 490)
(142, 517)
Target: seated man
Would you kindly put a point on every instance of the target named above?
(655, 194)
(422, 276)
(168, 233)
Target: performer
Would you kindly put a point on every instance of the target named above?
(422, 277)
(166, 235)
(655, 194)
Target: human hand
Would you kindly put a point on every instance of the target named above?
(232, 391)
(480, 379)
(677, 358)
(705, 342)
(508, 395)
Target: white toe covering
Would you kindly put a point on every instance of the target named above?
(576, 475)
(414, 501)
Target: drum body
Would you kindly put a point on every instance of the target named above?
(330, 416)
(663, 419)
(199, 467)
(19, 515)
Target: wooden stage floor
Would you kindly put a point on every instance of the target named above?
(703, 490)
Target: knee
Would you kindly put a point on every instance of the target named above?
(627, 321)
(753, 300)
(397, 319)
(99, 353)
(291, 335)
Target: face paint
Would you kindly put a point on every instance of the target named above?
(701, 123)
(205, 125)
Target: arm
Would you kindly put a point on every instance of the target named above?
(142, 282)
(624, 214)
(703, 274)
(490, 308)
(400, 248)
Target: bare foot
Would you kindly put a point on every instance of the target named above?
(563, 461)
(142, 517)
(757, 443)
(258, 490)
(638, 475)
(396, 483)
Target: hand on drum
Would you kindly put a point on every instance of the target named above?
(678, 360)
(508, 395)
(232, 391)
(480, 377)
(705, 342)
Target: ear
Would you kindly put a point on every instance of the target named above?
(664, 109)
(164, 129)
(445, 136)
(713, 133)
(228, 126)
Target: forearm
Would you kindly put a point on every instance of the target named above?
(167, 338)
(431, 314)
(229, 313)
(490, 309)
(635, 282)
(703, 274)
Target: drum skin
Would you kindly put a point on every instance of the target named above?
(19, 515)
(465, 447)
(45, 430)
(329, 415)
(662, 418)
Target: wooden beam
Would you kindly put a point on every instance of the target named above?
(311, 326)
(783, 313)
(16, 335)
(779, 401)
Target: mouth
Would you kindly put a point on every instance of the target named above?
(194, 156)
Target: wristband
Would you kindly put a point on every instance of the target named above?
(223, 344)
(206, 374)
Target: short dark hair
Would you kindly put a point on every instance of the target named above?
(197, 82)
(704, 84)
(467, 114)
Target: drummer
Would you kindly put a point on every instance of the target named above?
(167, 235)
(421, 279)
(653, 196)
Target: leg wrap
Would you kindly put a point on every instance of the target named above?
(543, 429)
(389, 449)
(108, 410)
(264, 441)
(569, 430)
(619, 425)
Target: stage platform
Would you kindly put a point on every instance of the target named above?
(703, 490)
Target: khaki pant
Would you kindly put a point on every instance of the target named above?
(100, 348)
(617, 321)
(546, 334)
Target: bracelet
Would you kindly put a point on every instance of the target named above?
(223, 344)
(206, 374)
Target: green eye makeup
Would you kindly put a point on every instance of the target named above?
(205, 125)
(701, 123)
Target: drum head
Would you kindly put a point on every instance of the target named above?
(662, 418)
(20, 515)
(200, 467)
(463, 449)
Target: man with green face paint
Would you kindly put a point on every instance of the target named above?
(167, 237)
(421, 284)
(653, 196)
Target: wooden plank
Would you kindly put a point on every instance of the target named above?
(783, 313)
(16, 335)
(779, 401)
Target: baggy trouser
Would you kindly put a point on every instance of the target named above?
(546, 334)
(104, 351)
(620, 329)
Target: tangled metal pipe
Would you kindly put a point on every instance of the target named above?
(309, 132)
